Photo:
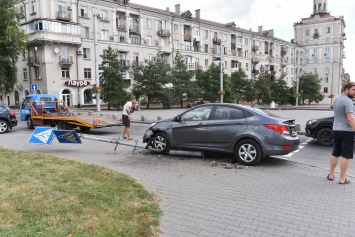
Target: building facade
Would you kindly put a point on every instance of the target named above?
(322, 38)
(66, 38)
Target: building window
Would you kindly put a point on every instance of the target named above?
(326, 69)
(307, 51)
(206, 62)
(136, 39)
(122, 39)
(65, 72)
(291, 70)
(87, 73)
(149, 23)
(225, 37)
(24, 55)
(308, 41)
(85, 32)
(246, 41)
(86, 52)
(315, 31)
(25, 74)
(206, 48)
(326, 59)
(327, 30)
(327, 40)
(84, 11)
(315, 50)
(176, 44)
(33, 7)
(104, 15)
(327, 49)
(315, 60)
(326, 80)
(325, 90)
(37, 73)
(246, 67)
(307, 32)
(306, 61)
(315, 41)
(104, 34)
(62, 7)
(206, 34)
(149, 40)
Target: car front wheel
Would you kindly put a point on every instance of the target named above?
(248, 152)
(325, 137)
(160, 142)
(4, 126)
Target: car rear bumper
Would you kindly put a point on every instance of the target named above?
(291, 144)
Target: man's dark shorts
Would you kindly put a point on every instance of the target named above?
(126, 122)
(343, 144)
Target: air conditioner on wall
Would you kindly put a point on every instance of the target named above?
(80, 52)
(111, 37)
(99, 16)
(69, 7)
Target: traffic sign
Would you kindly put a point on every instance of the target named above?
(34, 87)
(42, 135)
(67, 136)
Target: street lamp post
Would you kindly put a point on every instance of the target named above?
(221, 75)
(297, 78)
(97, 82)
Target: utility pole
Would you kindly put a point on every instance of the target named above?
(97, 82)
(221, 76)
(297, 78)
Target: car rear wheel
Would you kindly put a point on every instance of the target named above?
(248, 152)
(29, 123)
(325, 137)
(160, 142)
(4, 126)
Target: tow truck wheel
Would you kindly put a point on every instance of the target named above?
(29, 123)
(84, 129)
(61, 125)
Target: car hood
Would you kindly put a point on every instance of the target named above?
(324, 118)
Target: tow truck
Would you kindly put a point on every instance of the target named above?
(45, 109)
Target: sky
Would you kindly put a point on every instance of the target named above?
(279, 15)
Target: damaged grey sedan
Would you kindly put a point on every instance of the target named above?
(248, 133)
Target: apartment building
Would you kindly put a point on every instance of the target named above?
(66, 37)
(322, 37)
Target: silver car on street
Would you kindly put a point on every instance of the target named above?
(248, 133)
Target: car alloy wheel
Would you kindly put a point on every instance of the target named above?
(4, 126)
(247, 152)
(325, 137)
(160, 142)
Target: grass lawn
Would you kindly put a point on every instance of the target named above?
(42, 195)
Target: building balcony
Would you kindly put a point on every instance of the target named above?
(239, 45)
(52, 37)
(125, 63)
(255, 48)
(66, 60)
(163, 33)
(255, 71)
(64, 16)
(121, 26)
(234, 69)
(216, 41)
(316, 35)
(255, 60)
(191, 66)
(134, 29)
(165, 49)
(187, 37)
(137, 65)
(33, 61)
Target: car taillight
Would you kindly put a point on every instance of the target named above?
(13, 114)
(278, 128)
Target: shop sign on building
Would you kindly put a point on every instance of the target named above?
(77, 83)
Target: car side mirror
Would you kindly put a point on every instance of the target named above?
(178, 118)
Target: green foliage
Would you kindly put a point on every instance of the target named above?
(263, 86)
(280, 91)
(12, 43)
(183, 85)
(111, 79)
(309, 88)
(152, 83)
(242, 87)
(209, 82)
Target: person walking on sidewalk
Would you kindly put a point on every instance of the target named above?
(343, 132)
(128, 109)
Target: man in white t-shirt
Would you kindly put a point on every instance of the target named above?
(128, 108)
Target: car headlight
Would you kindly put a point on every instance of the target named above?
(152, 125)
(309, 122)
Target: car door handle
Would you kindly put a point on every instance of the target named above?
(238, 123)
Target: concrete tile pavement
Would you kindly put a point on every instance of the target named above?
(276, 198)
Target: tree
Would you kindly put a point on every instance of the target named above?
(154, 82)
(111, 79)
(280, 91)
(12, 44)
(242, 87)
(209, 82)
(263, 85)
(309, 88)
(183, 86)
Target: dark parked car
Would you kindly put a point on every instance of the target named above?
(7, 119)
(321, 130)
(246, 132)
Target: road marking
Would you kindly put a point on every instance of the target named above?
(303, 144)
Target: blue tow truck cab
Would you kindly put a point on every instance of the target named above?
(37, 100)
